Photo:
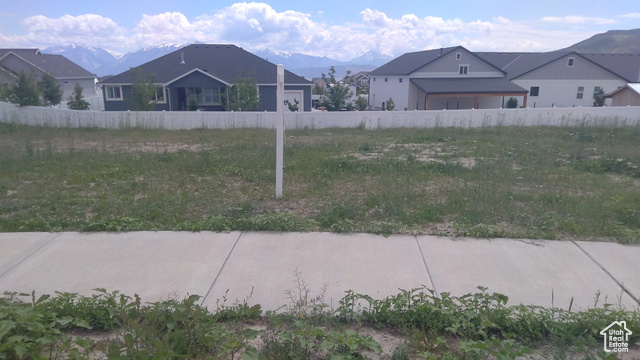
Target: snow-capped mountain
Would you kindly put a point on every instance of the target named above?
(102, 63)
(310, 66)
(136, 58)
(88, 57)
(372, 57)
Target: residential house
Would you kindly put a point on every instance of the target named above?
(36, 64)
(448, 78)
(455, 78)
(204, 72)
(566, 78)
(361, 79)
(628, 95)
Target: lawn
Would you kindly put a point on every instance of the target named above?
(525, 182)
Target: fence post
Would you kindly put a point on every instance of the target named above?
(279, 131)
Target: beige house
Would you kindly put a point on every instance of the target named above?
(628, 95)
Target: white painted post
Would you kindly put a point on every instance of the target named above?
(280, 131)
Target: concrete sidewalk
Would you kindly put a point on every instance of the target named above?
(260, 266)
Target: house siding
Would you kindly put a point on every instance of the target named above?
(448, 66)
(563, 93)
(381, 91)
(558, 70)
(626, 97)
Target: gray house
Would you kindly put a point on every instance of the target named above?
(455, 78)
(447, 78)
(36, 64)
(204, 72)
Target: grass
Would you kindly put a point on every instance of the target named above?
(110, 325)
(524, 182)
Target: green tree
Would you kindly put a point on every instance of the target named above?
(293, 107)
(143, 90)
(317, 89)
(512, 103)
(336, 92)
(5, 92)
(243, 94)
(25, 91)
(389, 105)
(51, 92)
(76, 100)
(362, 103)
(598, 98)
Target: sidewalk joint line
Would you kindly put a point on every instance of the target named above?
(624, 288)
(424, 261)
(221, 269)
(31, 254)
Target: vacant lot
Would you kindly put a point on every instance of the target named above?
(536, 182)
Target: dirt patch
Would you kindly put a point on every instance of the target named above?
(427, 153)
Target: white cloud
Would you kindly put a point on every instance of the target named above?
(90, 29)
(169, 27)
(578, 20)
(257, 25)
(630, 16)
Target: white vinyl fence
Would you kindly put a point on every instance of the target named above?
(43, 116)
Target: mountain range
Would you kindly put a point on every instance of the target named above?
(612, 41)
(103, 63)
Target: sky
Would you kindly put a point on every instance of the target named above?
(340, 30)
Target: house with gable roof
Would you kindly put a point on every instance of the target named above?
(447, 78)
(36, 64)
(204, 72)
(566, 78)
(455, 78)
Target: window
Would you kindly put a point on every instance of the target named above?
(374, 79)
(571, 61)
(204, 96)
(463, 69)
(400, 79)
(580, 92)
(596, 91)
(159, 95)
(113, 92)
(385, 79)
(458, 56)
(534, 91)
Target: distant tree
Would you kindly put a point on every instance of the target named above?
(25, 91)
(293, 107)
(362, 103)
(317, 89)
(143, 91)
(192, 104)
(389, 105)
(50, 89)
(598, 98)
(363, 90)
(76, 100)
(5, 92)
(336, 92)
(512, 103)
(243, 94)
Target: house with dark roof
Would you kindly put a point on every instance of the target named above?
(36, 64)
(566, 78)
(455, 78)
(204, 72)
(447, 78)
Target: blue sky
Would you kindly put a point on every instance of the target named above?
(337, 29)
